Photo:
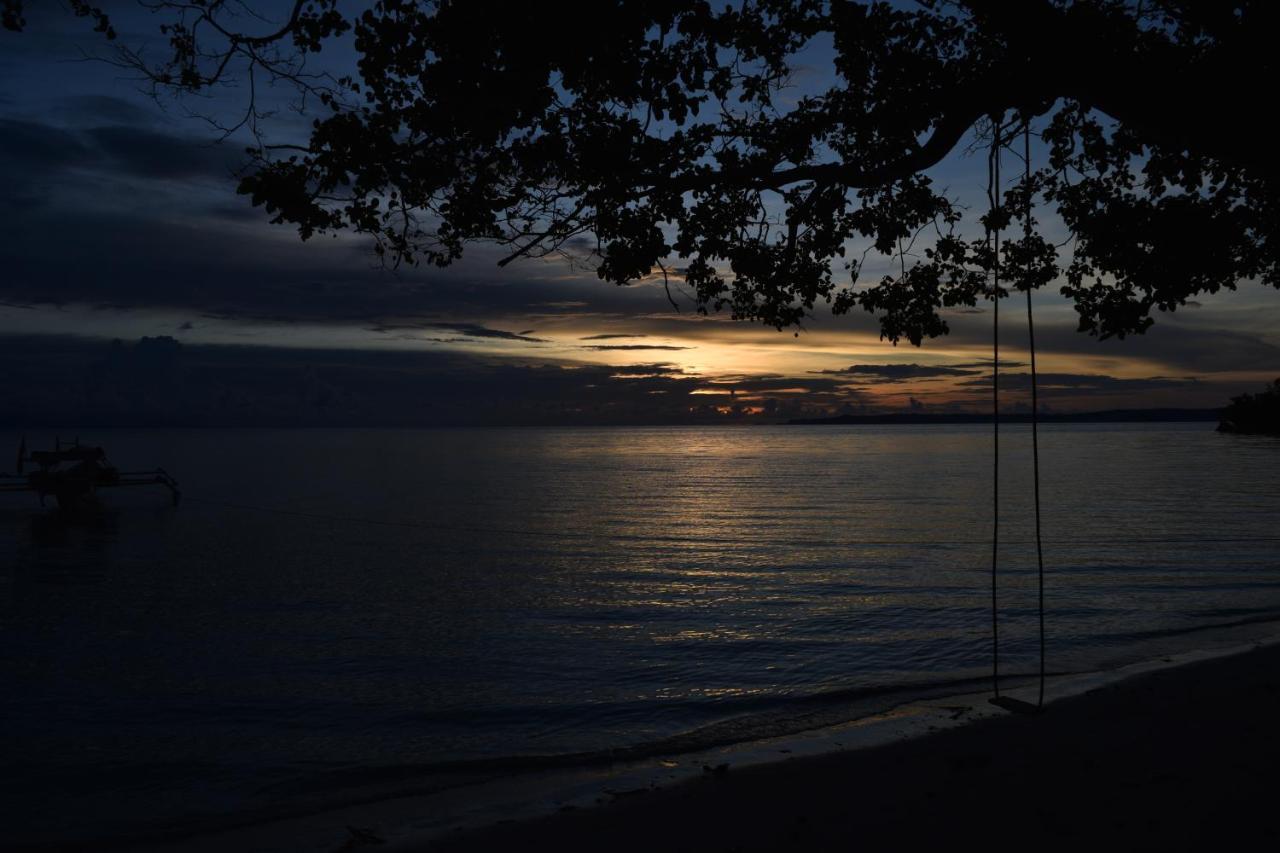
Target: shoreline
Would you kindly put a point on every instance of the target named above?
(1176, 753)
(479, 814)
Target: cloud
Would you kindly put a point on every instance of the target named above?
(27, 145)
(898, 372)
(1178, 345)
(124, 214)
(475, 330)
(985, 364)
(114, 149)
(203, 256)
(1229, 332)
(600, 347)
(161, 156)
(657, 368)
(760, 384)
(56, 379)
(1098, 383)
(105, 108)
(470, 330)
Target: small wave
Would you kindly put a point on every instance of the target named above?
(772, 717)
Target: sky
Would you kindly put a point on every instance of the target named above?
(136, 284)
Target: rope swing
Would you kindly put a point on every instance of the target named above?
(1035, 403)
(993, 240)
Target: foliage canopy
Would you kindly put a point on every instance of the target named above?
(1254, 413)
(671, 133)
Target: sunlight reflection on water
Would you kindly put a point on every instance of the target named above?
(329, 598)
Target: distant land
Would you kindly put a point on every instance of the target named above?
(1110, 416)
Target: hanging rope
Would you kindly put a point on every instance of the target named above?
(1035, 405)
(993, 240)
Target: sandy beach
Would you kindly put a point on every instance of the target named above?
(1180, 758)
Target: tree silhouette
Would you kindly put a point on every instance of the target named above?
(1253, 413)
(667, 137)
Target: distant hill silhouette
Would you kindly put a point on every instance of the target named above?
(1109, 416)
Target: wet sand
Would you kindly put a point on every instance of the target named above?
(1181, 758)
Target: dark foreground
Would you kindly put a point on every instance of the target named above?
(1179, 759)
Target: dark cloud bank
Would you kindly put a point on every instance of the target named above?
(56, 381)
(115, 209)
(900, 372)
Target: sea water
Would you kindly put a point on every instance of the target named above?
(331, 609)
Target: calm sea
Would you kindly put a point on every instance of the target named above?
(329, 609)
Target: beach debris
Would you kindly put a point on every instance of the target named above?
(361, 836)
(969, 762)
(627, 793)
(718, 770)
(1015, 706)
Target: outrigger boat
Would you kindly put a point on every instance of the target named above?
(73, 474)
